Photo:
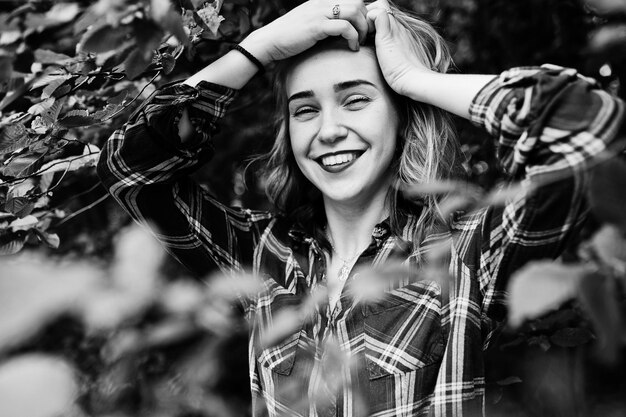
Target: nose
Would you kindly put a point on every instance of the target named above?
(331, 129)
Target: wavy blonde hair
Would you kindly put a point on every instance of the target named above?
(427, 147)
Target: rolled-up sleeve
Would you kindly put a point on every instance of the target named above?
(550, 125)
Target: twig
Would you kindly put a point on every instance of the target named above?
(76, 213)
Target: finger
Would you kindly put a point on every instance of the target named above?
(355, 14)
(343, 28)
(380, 19)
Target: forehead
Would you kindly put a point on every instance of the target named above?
(327, 67)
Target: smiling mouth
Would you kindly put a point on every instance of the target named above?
(338, 161)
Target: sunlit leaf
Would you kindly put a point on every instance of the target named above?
(231, 287)
(138, 257)
(285, 322)
(181, 297)
(49, 90)
(23, 165)
(71, 163)
(33, 292)
(46, 56)
(610, 247)
(63, 12)
(48, 379)
(51, 240)
(540, 287)
(25, 223)
(42, 106)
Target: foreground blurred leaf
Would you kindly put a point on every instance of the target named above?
(541, 287)
(33, 292)
(610, 247)
(36, 385)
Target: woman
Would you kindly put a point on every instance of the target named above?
(357, 119)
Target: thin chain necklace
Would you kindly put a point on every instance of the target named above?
(346, 263)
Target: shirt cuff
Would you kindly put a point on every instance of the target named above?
(206, 104)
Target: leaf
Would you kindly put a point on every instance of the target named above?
(34, 291)
(168, 62)
(119, 98)
(136, 62)
(25, 223)
(541, 287)
(610, 247)
(103, 38)
(571, 337)
(71, 163)
(76, 118)
(172, 22)
(12, 134)
(13, 246)
(52, 86)
(63, 12)
(50, 116)
(20, 206)
(51, 380)
(42, 106)
(47, 79)
(22, 143)
(45, 56)
(50, 239)
(23, 165)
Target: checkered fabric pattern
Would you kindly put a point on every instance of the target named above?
(419, 349)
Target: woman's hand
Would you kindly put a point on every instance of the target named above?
(399, 61)
(302, 27)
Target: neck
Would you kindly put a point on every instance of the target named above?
(350, 225)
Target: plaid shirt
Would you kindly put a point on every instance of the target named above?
(419, 349)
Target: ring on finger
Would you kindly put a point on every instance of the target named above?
(336, 11)
(390, 12)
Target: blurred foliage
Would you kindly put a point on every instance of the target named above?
(115, 332)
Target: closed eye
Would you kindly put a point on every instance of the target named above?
(304, 112)
(357, 102)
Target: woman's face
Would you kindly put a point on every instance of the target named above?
(343, 124)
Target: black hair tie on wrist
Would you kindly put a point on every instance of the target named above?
(251, 57)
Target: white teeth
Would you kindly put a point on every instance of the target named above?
(338, 159)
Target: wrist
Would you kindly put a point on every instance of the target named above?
(422, 84)
(256, 46)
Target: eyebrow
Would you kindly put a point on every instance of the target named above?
(344, 85)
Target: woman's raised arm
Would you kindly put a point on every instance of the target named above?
(406, 73)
